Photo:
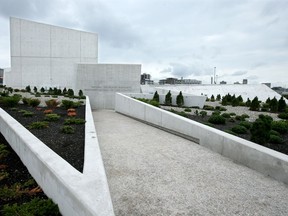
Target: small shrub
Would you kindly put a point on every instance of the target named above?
(67, 129)
(245, 124)
(9, 101)
(196, 112)
(264, 109)
(13, 109)
(232, 114)
(28, 114)
(188, 110)
(217, 119)
(273, 132)
(28, 89)
(207, 107)
(231, 132)
(154, 103)
(217, 112)
(52, 103)
(238, 129)
(80, 93)
(209, 124)
(283, 115)
(280, 126)
(70, 104)
(37, 94)
(203, 113)
(231, 120)
(156, 96)
(260, 129)
(49, 111)
(34, 102)
(38, 125)
(226, 115)
(52, 117)
(70, 121)
(182, 113)
(275, 139)
(3, 151)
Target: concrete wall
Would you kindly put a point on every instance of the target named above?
(189, 100)
(257, 157)
(46, 55)
(101, 81)
(75, 193)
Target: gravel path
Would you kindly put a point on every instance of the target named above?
(152, 172)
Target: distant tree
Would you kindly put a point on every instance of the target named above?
(28, 89)
(224, 101)
(80, 93)
(268, 100)
(35, 89)
(255, 104)
(180, 99)
(59, 92)
(50, 91)
(64, 91)
(274, 105)
(168, 98)
(235, 102)
(212, 98)
(239, 98)
(248, 102)
(282, 104)
(42, 90)
(229, 98)
(156, 96)
(70, 92)
(218, 98)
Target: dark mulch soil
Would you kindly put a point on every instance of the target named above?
(69, 146)
(27, 188)
(283, 147)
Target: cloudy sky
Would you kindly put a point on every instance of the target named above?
(243, 39)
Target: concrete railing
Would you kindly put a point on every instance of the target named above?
(75, 193)
(257, 157)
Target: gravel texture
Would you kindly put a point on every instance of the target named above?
(152, 172)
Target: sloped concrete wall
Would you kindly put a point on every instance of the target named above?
(75, 193)
(257, 157)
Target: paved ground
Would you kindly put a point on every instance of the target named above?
(152, 172)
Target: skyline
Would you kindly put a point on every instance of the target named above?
(242, 39)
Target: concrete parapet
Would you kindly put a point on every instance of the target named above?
(254, 156)
(75, 193)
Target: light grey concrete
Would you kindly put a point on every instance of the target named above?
(257, 157)
(101, 81)
(75, 193)
(152, 172)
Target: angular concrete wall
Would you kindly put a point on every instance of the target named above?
(257, 157)
(75, 193)
(46, 55)
(101, 81)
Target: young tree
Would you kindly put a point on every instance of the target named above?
(255, 105)
(64, 91)
(28, 89)
(42, 90)
(281, 105)
(180, 99)
(35, 89)
(212, 98)
(218, 98)
(235, 102)
(80, 93)
(248, 102)
(268, 100)
(168, 98)
(156, 96)
(239, 98)
(70, 92)
(260, 129)
(274, 105)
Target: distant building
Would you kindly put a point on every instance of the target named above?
(237, 82)
(245, 81)
(174, 81)
(223, 83)
(1, 76)
(146, 79)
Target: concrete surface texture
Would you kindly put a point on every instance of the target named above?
(101, 81)
(152, 172)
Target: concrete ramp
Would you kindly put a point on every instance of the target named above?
(152, 172)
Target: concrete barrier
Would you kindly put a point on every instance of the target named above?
(75, 193)
(257, 157)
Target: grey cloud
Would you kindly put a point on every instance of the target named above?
(257, 65)
(239, 73)
(184, 70)
(166, 70)
(252, 77)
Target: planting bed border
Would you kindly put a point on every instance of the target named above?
(74, 192)
(252, 155)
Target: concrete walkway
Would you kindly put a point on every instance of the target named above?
(152, 172)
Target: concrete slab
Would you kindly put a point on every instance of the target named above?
(152, 172)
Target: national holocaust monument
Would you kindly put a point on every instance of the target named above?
(50, 56)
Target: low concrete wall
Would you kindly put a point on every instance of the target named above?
(74, 192)
(189, 100)
(257, 157)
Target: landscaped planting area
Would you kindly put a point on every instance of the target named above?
(58, 120)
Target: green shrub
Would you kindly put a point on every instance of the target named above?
(188, 110)
(28, 89)
(67, 129)
(217, 119)
(38, 125)
(231, 132)
(232, 114)
(28, 114)
(220, 108)
(207, 107)
(245, 124)
(34, 102)
(67, 104)
(203, 113)
(217, 112)
(36, 206)
(239, 118)
(283, 115)
(182, 113)
(275, 139)
(52, 103)
(264, 109)
(168, 99)
(260, 129)
(9, 101)
(274, 105)
(226, 115)
(80, 93)
(255, 104)
(70, 121)
(280, 126)
(154, 103)
(282, 104)
(70, 92)
(52, 117)
(3, 151)
(180, 99)
(17, 95)
(238, 129)
(209, 124)
(273, 132)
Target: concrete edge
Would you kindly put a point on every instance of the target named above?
(74, 192)
(252, 155)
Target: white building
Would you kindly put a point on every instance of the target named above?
(50, 56)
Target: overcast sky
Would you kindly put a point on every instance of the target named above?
(243, 39)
